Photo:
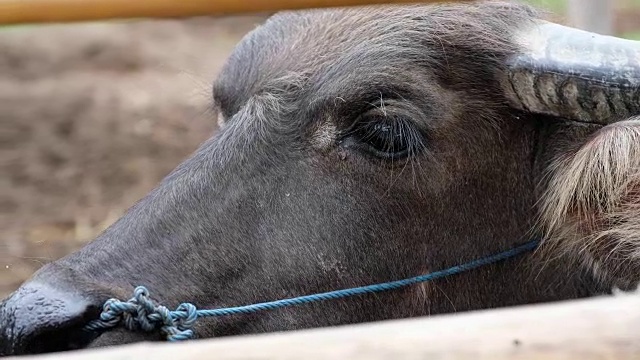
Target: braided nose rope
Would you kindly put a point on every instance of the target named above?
(140, 314)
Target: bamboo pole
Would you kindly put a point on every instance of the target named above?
(590, 329)
(45, 11)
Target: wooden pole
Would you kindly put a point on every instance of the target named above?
(45, 11)
(591, 15)
(597, 328)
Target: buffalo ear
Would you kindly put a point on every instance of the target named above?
(590, 209)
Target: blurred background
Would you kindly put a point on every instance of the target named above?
(93, 115)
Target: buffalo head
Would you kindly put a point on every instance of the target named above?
(370, 144)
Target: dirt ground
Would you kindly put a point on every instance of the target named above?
(92, 116)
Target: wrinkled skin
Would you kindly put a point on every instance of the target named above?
(285, 200)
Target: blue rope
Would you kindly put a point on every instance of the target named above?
(139, 312)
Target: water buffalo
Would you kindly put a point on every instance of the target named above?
(363, 145)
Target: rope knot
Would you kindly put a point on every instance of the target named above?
(140, 313)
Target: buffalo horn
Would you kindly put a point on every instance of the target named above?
(574, 74)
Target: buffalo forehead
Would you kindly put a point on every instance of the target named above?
(317, 46)
(316, 54)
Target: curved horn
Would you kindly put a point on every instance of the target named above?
(575, 74)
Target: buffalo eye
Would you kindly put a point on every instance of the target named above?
(384, 135)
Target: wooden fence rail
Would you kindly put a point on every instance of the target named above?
(592, 15)
(597, 328)
(45, 11)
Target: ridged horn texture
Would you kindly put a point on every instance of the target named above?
(574, 74)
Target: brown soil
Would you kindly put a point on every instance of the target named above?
(91, 117)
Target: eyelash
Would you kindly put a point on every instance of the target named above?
(386, 137)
